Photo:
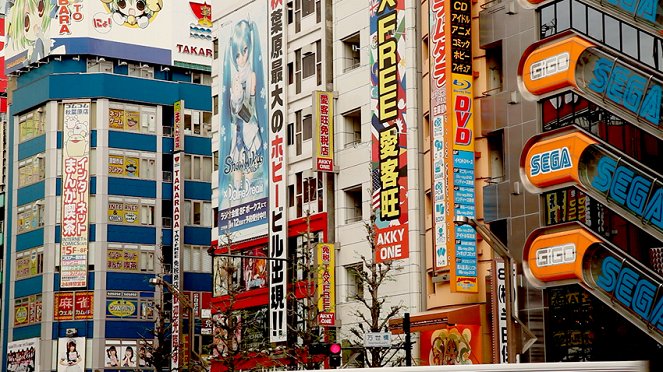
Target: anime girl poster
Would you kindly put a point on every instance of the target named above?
(243, 158)
(28, 25)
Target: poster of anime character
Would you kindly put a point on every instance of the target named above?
(460, 344)
(254, 269)
(28, 26)
(243, 172)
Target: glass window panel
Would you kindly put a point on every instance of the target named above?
(579, 16)
(197, 167)
(595, 24)
(563, 15)
(547, 21)
(646, 48)
(630, 40)
(612, 32)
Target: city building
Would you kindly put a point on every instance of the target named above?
(108, 143)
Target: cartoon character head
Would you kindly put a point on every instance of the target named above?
(77, 137)
(28, 21)
(133, 13)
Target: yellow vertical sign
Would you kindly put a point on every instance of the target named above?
(326, 285)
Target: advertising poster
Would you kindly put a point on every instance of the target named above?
(23, 355)
(115, 165)
(389, 130)
(75, 194)
(461, 190)
(254, 270)
(71, 354)
(457, 345)
(73, 305)
(439, 134)
(323, 153)
(116, 119)
(244, 153)
(326, 255)
(278, 219)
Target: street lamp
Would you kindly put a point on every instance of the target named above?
(503, 251)
(158, 281)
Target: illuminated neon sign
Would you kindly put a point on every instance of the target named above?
(550, 161)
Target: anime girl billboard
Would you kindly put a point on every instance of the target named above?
(28, 25)
(243, 155)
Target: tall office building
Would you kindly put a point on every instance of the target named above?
(108, 178)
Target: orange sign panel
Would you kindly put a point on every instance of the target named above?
(550, 67)
(554, 161)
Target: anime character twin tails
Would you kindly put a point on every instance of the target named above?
(133, 12)
(244, 102)
(29, 21)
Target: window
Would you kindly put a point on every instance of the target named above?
(307, 127)
(198, 167)
(351, 55)
(290, 12)
(308, 7)
(353, 205)
(494, 67)
(144, 308)
(30, 216)
(132, 118)
(303, 255)
(215, 104)
(130, 257)
(308, 61)
(140, 70)
(99, 65)
(131, 164)
(29, 263)
(147, 214)
(355, 283)
(352, 127)
(31, 124)
(132, 211)
(496, 152)
(195, 258)
(197, 213)
(201, 78)
(215, 161)
(31, 170)
(306, 194)
(27, 310)
(197, 123)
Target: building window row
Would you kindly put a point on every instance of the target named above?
(31, 170)
(197, 213)
(27, 310)
(130, 257)
(29, 263)
(198, 167)
(132, 118)
(196, 259)
(131, 211)
(131, 164)
(141, 70)
(31, 124)
(603, 28)
(30, 216)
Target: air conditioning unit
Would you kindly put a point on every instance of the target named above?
(167, 131)
(167, 222)
(308, 49)
(167, 176)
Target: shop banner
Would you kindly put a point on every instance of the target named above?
(23, 355)
(326, 288)
(73, 305)
(323, 136)
(75, 194)
(178, 193)
(389, 130)
(178, 126)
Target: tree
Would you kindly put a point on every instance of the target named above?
(373, 314)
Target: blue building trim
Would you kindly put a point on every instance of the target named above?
(129, 281)
(200, 282)
(127, 329)
(31, 147)
(29, 286)
(91, 235)
(90, 282)
(198, 145)
(21, 333)
(132, 187)
(93, 186)
(24, 241)
(115, 87)
(167, 145)
(167, 237)
(132, 141)
(167, 191)
(197, 235)
(196, 190)
(132, 234)
(85, 328)
(30, 193)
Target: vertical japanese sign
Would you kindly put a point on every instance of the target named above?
(178, 189)
(440, 130)
(499, 312)
(75, 190)
(326, 285)
(178, 126)
(245, 123)
(389, 129)
(278, 220)
(464, 258)
(323, 153)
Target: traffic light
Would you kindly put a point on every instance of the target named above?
(335, 357)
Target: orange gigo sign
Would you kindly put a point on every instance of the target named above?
(549, 67)
(553, 161)
(555, 254)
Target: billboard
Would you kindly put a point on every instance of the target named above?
(73, 305)
(75, 194)
(326, 255)
(278, 219)
(457, 345)
(155, 31)
(389, 130)
(71, 354)
(323, 153)
(440, 132)
(243, 135)
(23, 355)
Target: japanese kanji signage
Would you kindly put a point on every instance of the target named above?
(326, 285)
(73, 305)
(323, 153)
(178, 126)
(462, 242)
(75, 194)
(278, 220)
(389, 130)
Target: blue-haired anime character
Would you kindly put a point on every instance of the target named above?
(243, 109)
(29, 21)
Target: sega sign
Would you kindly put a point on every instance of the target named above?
(550, 161)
